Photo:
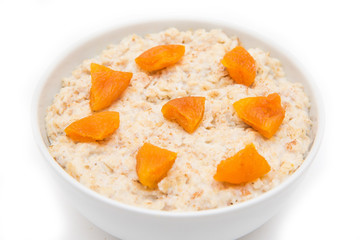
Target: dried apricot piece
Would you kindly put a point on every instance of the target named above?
(186, 111)
(106, 86)
(160, 57)
(240, 65)
(245, 166)
(265, 114)
(153, 163)
(95, 127)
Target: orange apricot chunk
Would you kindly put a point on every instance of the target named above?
(186, 111)
(245, 166)
(95, 127)
(160, 57)
(106, 86)
(153, 164)
(240, 65)
(264, 114)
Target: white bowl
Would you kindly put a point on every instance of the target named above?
(129, 222)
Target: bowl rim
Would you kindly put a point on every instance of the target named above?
(314, 148)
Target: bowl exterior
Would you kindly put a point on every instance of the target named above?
(127, 222)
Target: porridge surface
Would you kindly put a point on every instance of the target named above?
(108, 167)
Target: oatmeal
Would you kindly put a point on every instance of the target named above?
(109, 166)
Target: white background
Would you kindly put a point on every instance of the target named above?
(324, 35)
